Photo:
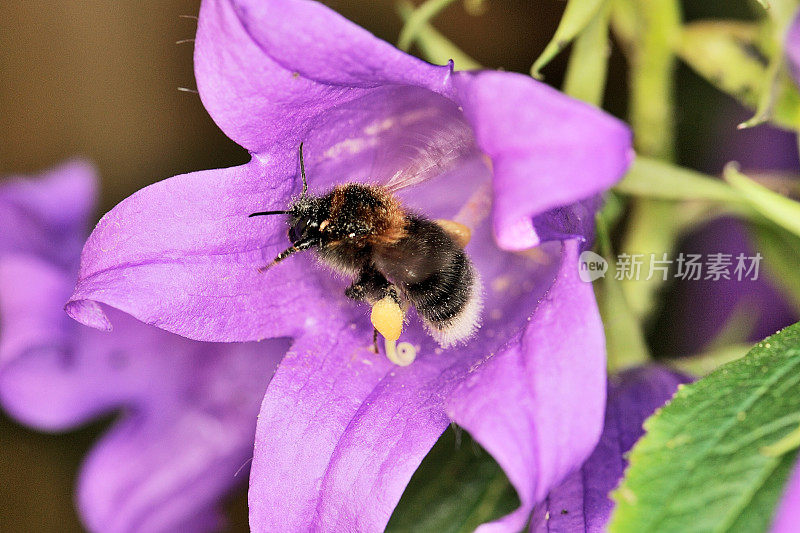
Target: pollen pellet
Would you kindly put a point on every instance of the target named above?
(387, 318)
(460, 233)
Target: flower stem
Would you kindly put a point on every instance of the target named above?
(625, 344)
(419, 18)
(652, 64)
(649, 31)
(434, 46)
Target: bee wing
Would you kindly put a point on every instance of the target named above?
(421, 146)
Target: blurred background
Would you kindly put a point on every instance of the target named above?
(101, 80)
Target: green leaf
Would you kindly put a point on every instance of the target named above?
(457, 487)
(708, 461)
(786, 109)
(728, 54)
(770, 90)
(706, 362)
(588, 64)
(723, 52)
(434, 46)
(577, 15)
(770, 204)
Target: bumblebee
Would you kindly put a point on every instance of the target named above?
(396, 258)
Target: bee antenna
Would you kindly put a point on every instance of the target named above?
(293, 249)
(303, 171)
(262, 213)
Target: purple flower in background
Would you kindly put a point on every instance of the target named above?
(188, 408)
(787, 515)
(581, 502)
(788, 512)
(341, 430)
(792, 48)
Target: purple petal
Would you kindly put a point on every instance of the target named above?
(537, 404)
(788, 512)
(581, 502)
(48, 215)
(270, 84)
(792, 48)
(359, 426)
(547, 149)
(182, 255)
(188, 408)
(188, 426)
(356, 431)
(267, 70)
(183, 443)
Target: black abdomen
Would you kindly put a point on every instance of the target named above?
(434, 273)
(444, 295)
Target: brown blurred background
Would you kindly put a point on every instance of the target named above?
(100, 80)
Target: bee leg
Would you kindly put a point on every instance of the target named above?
(370, 286)
(375, 341)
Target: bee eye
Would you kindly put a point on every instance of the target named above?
(298, 231)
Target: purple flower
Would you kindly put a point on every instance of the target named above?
(788, 512)
(581, 502)
(188, 408)
(696, 311)
(787, 515)
(792, 48)
(341, 430)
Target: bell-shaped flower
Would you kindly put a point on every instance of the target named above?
(341, 429)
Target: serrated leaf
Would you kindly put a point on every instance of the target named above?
(701, 466)
(457, 487)
(706, 362)
(577, 15)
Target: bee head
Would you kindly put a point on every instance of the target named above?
(305, 217)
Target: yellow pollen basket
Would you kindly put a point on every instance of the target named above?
(460, 233)
(387, 318)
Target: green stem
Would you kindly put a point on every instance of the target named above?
(434, 46)
(625, 344)
(652, 76)
(651, 28)
(419, 18)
